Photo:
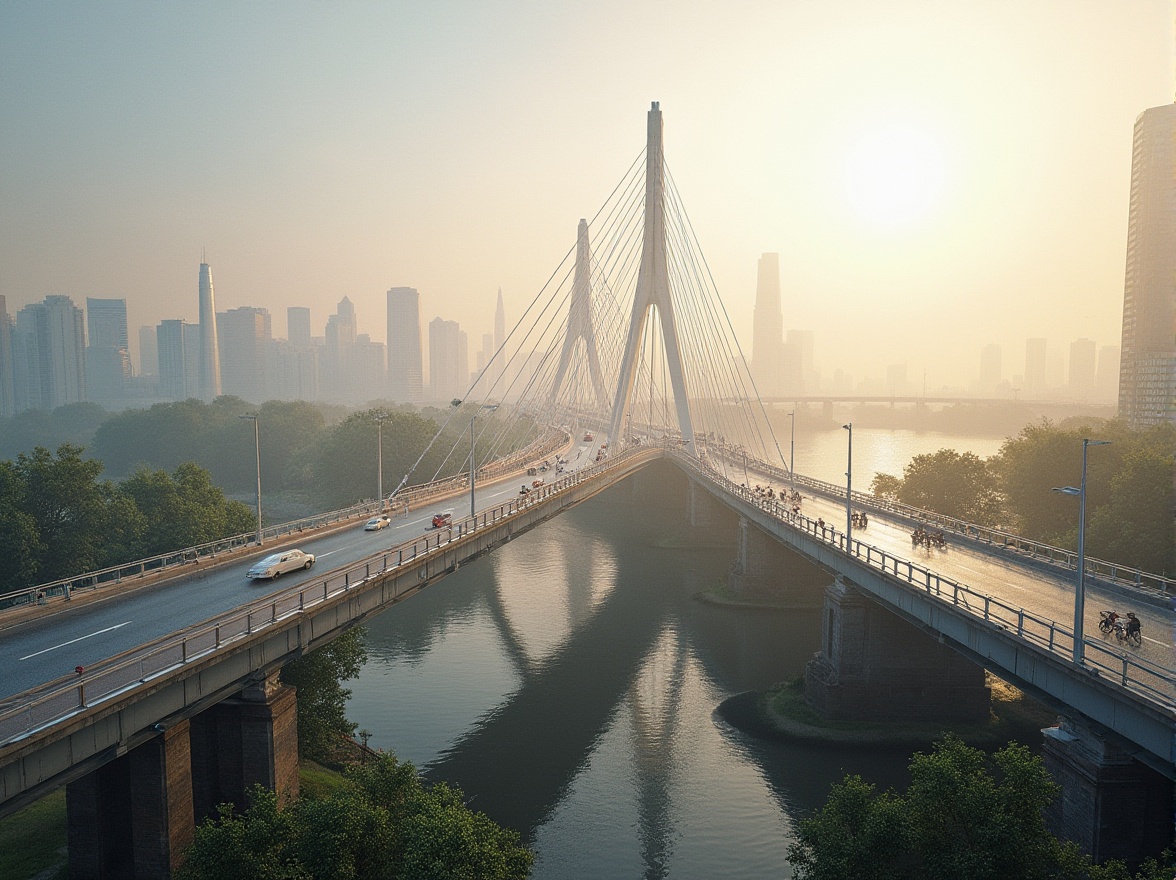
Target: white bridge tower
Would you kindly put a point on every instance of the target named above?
(580, 321)
(653, 289)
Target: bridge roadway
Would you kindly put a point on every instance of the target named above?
(50, 646)
(1047, 593)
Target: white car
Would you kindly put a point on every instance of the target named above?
(277, 564)
(376, 523)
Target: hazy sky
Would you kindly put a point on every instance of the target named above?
(936, 175)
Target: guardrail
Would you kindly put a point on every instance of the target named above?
(1123, 575)
(63, 698)
(544, 446)
(1138, 675)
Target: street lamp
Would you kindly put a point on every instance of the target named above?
(380, 416)
(849, 491)
(792, 451)
(257, 451)
(487, 406)
(1080, 588)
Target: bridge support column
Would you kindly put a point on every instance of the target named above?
(132, 818)
(1111, 805)
(765, 568)
(874, 666)
(245, 741)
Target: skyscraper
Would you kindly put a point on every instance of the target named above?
(7, 377)
(49, 349)
(210, 375)
(298, 327)
(444, 379)
(180, 351)
(108, 357)
(1147, 372)
(990, 374)
(1082, 360)
(767, 336)
(404, 345)
(339, 351)
(1036, 368)
(148, 351)
(245, 334)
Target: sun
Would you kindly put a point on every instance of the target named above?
(894, 176)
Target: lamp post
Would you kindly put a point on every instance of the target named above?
(487, 406)
(792, 451)
(380, 416)
(849, 491)
(257, 451)
(1080, 587)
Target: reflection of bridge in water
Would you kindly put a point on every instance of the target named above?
(898, 636)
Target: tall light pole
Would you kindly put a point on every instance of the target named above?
(257, 450)
(380, 416)
(849, 491)
(487, 406)
(1080, 587)
(792, 451)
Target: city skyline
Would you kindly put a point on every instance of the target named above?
(796, 152)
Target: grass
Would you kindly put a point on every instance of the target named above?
(317, 781)
(32, 842)
(1013, 716)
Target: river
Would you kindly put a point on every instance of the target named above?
(568, 683)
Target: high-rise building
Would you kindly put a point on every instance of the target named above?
(369, 371)
(767, 338)
(444, 379)
(7, 376)
(245, 335)
(210, 369)
(49, 357)
(148, 351)
(404, 345)
(990, 373)
(338, 377)
(1106, 379)
(180, 352)
(1147, 373)
(1036, 368)
(486, 352)
(298, 327)
(108, 356)
(1082, 372)
(499, 339)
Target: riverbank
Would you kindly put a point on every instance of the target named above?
(782, 714)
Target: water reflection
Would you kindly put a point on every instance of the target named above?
(567, 684)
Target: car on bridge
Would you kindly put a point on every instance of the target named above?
(377, 522)
(440, 520)
(277, 564)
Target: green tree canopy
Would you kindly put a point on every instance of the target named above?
(383, 824)
(322, 699)
(952, 483)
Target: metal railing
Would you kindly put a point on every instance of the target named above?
(54, 702)
(543, 447)
(1111, 572)
(1136, 674)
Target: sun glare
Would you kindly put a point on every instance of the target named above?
(894, 177)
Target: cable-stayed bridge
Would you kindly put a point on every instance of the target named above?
(628, 355)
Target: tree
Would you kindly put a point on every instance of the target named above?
(183, 510)
(383, 824)
(965, 816)
(20, 542)
(885, 486)
(952, 483)
(81, 524)
(322, 699)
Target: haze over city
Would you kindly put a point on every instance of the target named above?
(935, 178)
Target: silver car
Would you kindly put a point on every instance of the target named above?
(277, 564)
(376, 523)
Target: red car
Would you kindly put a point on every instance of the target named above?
(441, 519)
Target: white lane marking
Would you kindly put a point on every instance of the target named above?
(78, 639)
(329, 552)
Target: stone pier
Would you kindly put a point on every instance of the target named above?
(1111, 805)
(132, 818)
(766, 569)
(874, 666)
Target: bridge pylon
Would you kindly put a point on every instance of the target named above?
(653, 289)
(580, 324)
